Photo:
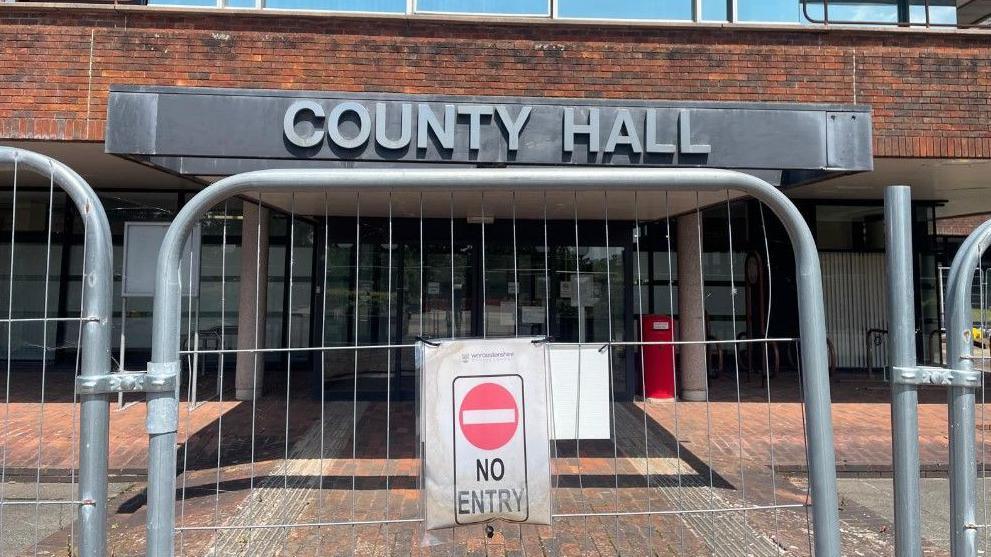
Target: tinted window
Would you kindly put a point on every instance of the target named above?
(715, 10)
(391, 6)
(627, 9)
(778, 11)
(878, 11)
(510, 7)
(940, 11)
(183, 2)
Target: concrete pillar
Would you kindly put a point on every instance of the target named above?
(251, 316)
(691, 320)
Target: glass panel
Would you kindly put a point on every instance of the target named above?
(220, 272)
(509, 7)
(627, 9)
(878, 11)
(777, 11)
(666, 300)
(276, 284)
(841, 227)
(378, 306)
(502, 292)
(447, 305)
(302, 288)
(31, 284)
(940, 11)
(715, 10)
(339, 296)
(387, 6)
(184, 3)
(133, 315)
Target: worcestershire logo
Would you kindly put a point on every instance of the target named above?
(486, 356)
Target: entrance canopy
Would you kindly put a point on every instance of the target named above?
(210, 133)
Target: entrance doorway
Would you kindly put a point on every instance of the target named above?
(466, 277)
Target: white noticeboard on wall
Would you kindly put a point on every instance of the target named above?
(142, 241)
(485, 432)
(591, 419)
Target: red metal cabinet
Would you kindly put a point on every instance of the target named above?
(658, 360)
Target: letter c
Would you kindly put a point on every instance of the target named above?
(289, 124)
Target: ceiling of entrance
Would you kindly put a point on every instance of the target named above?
(964, 185)
(101, 170)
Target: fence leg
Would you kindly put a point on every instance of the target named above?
(963, 472)
(163, 410)
(904, 397)
(94, 413)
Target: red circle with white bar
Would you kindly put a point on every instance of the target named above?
(489, 416)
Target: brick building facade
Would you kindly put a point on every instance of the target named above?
(927, 89)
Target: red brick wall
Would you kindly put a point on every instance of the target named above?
(929, 91)
(960, 226)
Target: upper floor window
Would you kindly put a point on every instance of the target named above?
(673, 10)
(498, 7)
(386, 6)
(851, 11)
(939, 12)
(769, 11)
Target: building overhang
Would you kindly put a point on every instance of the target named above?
(207, 132)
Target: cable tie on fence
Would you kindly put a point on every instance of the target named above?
(427, 341)
(544, 340)
(605, 347)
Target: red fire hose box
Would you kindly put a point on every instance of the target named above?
(658, 359)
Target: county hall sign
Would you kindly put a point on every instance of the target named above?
(495, 126)
(211, 132)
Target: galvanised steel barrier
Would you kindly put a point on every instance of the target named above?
(93, 384)
(163, 407)
(959, 376)
(965, 381)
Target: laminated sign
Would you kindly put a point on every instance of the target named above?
(485, 435)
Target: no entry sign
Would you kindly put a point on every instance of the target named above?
(489, 416)
(485, 434)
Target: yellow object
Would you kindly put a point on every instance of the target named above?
(977, 333)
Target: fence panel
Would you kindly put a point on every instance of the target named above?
(45, 417)
(961, 377)
(458, 253)
(960, 343)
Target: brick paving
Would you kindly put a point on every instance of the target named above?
(696, 459)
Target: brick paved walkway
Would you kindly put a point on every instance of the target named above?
(710, 465)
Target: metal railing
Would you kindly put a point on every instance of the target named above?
(960, 378)
(962, 396)
(92, 361)
(291, 475)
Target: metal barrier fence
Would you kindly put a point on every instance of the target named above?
(23, 433)
(963, 392)
(960, 378)
(262, 524)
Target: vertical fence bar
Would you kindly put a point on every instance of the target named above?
(95, 326)
(904, 398)
(961, 400)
